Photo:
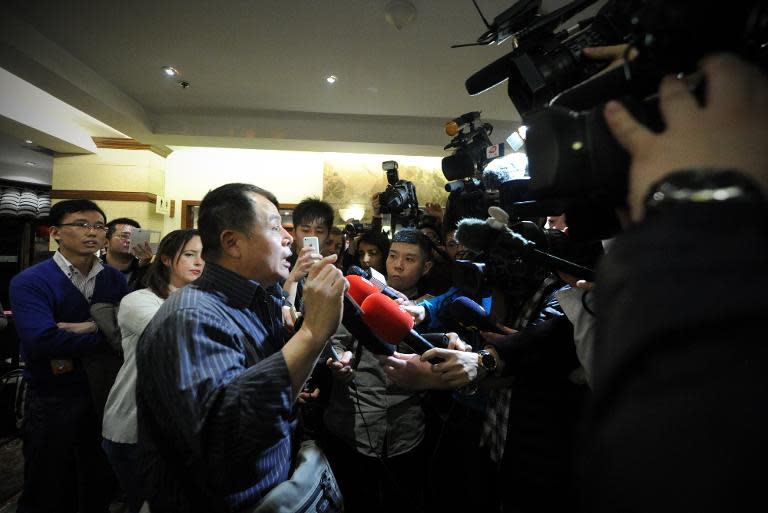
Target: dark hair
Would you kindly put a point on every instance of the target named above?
(313, 209)
(378, 239)
(434, 226)
(62, 208)
(112, 225)
(228, 207)
(414, 236)
(158, 277)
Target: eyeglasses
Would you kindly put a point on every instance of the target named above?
(123, 236)
(87, 226)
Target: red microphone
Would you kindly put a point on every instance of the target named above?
(360, 288)
(391, 324)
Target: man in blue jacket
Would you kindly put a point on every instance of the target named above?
(64, 468)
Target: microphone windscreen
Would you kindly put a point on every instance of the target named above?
(360, 288)
(475, 234)
(464, 309)
(358, 271)
(491, 75)
(385, 318)
(468, 313)
(493, 178)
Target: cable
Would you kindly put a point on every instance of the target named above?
(584, 304)
(352, 385)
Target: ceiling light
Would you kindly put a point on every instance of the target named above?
(399, 13)
(170, 71)
(30, 163)
(331, 79)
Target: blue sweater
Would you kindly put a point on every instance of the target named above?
(43, 295)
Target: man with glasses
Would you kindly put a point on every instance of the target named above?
(64, 468)
(119, 256)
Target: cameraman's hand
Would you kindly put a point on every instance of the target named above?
(352, 248)
(434, 210)
(729, 132)
(614, 53)
(376, 204)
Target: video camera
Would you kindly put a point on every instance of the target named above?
(355, 228)
(576, 166)
(546, 61)
(472, 184)
(472, 146)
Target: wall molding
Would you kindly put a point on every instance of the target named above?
(110, 196)
(116, 143)
(104, 195)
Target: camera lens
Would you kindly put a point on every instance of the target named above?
(457, 166)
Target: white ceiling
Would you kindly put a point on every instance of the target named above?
(257, 69)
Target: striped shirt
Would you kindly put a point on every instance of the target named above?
(215, 406)
(85, 284)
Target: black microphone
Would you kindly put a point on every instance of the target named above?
(469, 117)
(471, 315)
(359, 271)
(493, 74)
(478, 236)
(436, 339)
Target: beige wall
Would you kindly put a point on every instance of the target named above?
(191, 172)
(293, 176)
(188, 173)
(115, 170)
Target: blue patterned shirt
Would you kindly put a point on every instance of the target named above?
(215, 407)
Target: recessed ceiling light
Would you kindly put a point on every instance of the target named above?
(30, 163)
(28, 141)
(331, 79)
(170, 71)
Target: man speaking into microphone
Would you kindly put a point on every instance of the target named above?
(217, 382)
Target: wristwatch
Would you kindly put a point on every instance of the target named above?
(487, 361)
(698, 186)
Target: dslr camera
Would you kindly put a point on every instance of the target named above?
(399, 198)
